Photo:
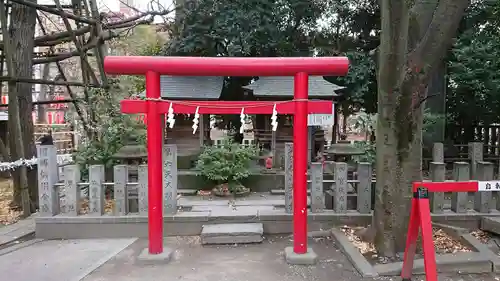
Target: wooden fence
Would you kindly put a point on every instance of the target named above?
(489, 135)
(340, 194)
(471, 152)
(62, 134)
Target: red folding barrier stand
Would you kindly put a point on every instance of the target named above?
(420, 217)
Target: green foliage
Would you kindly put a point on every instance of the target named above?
(349, 26)
(368, 148)
(113, 129)
(254, 28)
(360, 84)
(247, 28)
(226, 163)
(473, 96)
(431, 129)
(363, 121)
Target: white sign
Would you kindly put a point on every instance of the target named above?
(488, 186)
(4, 116)
(321, 119)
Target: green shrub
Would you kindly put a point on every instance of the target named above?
(226, 163)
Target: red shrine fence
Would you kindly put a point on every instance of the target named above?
(155, 108)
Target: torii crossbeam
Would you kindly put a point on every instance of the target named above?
(155, 108)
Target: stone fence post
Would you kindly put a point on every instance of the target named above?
(170, 179)
(120, 176)
(364, 189)
(142, 189)
(96, 190)
(47, 169)
(459, 200)
(340, 192)
(289, 177)
(482, 200)
(317, 196)
(438, 174)
(71, 190)
(475, 150)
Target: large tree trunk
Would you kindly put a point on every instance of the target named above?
(414, 41)
(22, 32)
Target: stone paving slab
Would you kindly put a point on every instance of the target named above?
(20, 229)
(59, 260)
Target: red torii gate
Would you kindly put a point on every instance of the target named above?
(155, 108)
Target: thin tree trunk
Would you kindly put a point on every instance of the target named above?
(44, 89)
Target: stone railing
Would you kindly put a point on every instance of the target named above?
(65, 197)
(328, 191)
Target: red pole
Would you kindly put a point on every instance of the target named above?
(300, 95)
(154, 135)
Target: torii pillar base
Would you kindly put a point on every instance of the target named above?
(146, 258)
(307, 258)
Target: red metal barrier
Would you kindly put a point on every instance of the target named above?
(420, 218)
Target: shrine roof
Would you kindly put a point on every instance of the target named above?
(191, 87)
(283, 86)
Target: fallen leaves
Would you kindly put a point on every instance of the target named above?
(443, 242)
(363, 247)
(108, 206)
(483, 236)
(7, 215)
(446, 244)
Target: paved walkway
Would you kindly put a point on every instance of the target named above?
(57, 260)
(13, 232)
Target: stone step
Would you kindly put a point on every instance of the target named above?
(187, 192)
(232, 233)
(282, 192)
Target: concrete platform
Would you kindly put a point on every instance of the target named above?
(491, 224)
(235, 233)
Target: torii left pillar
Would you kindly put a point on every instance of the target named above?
(299, 67)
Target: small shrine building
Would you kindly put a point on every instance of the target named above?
(195, 88)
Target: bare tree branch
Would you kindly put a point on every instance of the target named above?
(53, 11)
(46, 102)
(65, 36)
(46, 82)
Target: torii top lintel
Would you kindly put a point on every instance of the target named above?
(226, 66)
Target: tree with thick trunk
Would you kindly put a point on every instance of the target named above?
(22, 34)
(415, 37)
